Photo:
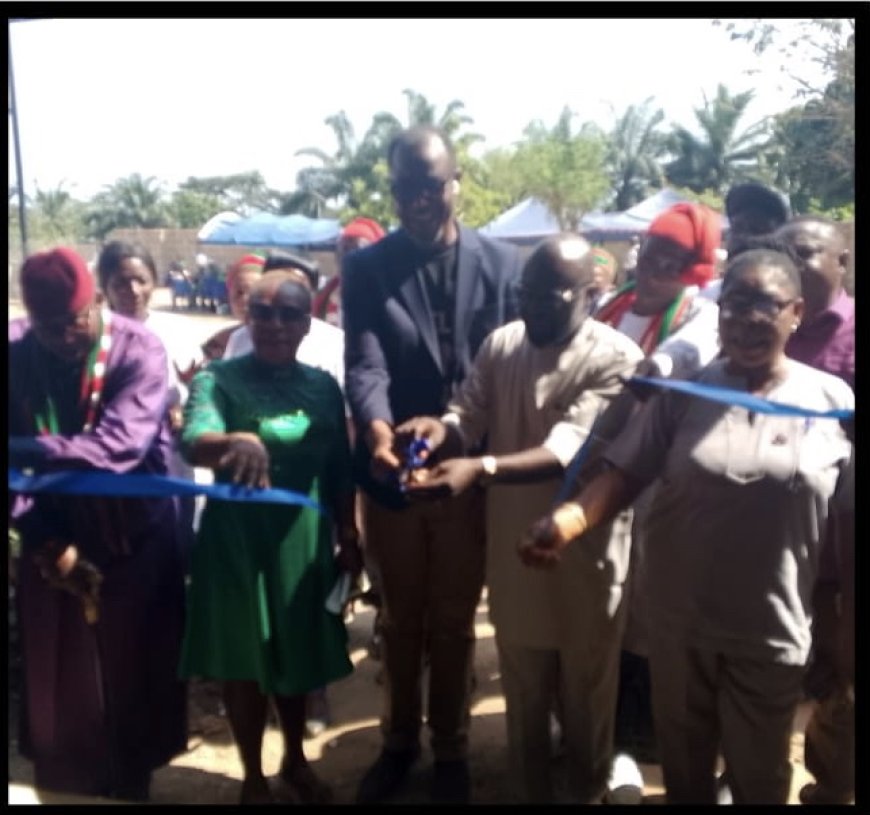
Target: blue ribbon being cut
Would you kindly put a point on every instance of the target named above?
(713, 393)
(729, 396)
(137, 485)
(100, 482)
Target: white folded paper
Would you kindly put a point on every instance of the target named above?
(339, 595)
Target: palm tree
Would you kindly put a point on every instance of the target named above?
(129, 202)
(423, 112)
(722, 155)
(334, 167)
(345, 176)
(56, 213)
(634, 153)
(354, 179)
(315, 186)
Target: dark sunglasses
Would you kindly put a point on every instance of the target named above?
(411, 189)
(263, 313)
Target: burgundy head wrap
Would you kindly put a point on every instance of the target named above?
(56, 282)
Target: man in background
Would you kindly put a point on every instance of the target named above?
(825, 338)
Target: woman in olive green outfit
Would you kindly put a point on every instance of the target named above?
(260, 573)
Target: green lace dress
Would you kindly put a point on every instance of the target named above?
(260, 573)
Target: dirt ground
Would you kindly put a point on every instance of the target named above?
(210, 771)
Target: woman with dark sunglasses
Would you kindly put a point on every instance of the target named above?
(261, 573)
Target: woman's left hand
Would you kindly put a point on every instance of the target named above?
(247, 459)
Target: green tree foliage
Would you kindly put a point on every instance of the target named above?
(562, 169)
(354, 179)
(55, 217)
(189, 209)
(133, 201)
(348, 181)
(635, 150)
(809, 164)
(814, 141)
(244, 193)
(722, 154)
(452, 121)
(490, 185)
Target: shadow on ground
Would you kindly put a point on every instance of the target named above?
(210, 771)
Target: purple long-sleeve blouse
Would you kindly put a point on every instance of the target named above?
(131, 434)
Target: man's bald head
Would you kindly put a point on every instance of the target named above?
(554, 289)
(562, 260)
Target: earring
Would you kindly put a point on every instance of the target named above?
(794, 327)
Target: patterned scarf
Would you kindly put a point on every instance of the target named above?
(661, 325)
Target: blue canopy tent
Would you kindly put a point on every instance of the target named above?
(267, 229)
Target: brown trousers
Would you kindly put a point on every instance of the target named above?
(706, 702)
(431, 560)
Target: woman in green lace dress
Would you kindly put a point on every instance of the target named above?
(260, 573)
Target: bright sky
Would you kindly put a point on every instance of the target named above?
(101, 99)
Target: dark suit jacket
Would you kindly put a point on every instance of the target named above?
(392, 361)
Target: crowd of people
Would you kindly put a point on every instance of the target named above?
(649, 465)
(204, 288)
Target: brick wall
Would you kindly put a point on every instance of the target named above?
(168, 245)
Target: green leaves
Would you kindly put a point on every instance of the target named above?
(563, 169)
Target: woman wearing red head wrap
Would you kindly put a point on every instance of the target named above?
(678, 330)
(677, 256)
(241, 277)
(360, 232)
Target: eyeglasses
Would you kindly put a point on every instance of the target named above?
(410, 189)
(262, 313)
(767, 308)
(553, 297)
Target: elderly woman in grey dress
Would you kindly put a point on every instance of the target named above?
(736, 524)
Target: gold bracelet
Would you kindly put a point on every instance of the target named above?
(570, 520)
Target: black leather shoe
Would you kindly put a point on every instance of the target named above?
(386, 775)
(451, 783)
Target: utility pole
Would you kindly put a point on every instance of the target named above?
(13, 112)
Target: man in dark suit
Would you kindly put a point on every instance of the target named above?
(417, 305)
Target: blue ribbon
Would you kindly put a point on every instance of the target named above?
(729, 396)
(713, 393)
(139, 485)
